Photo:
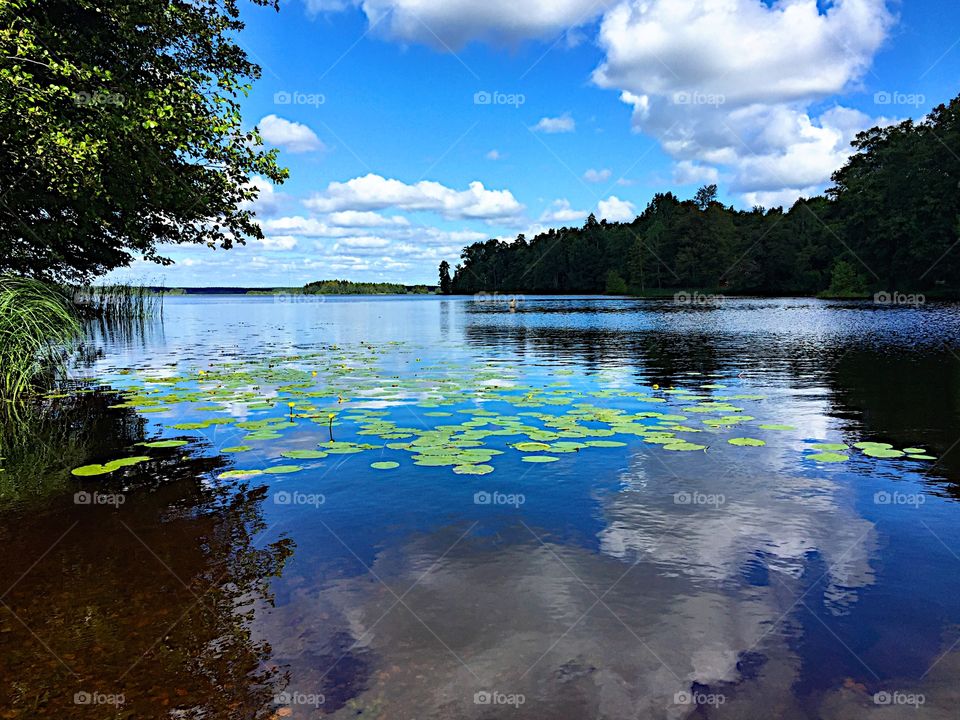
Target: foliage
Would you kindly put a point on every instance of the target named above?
(121, 130)
(845, 281)
(117, 302)
(891, 222)
(446, 284)
(37, 324)
(346, 287)
(616, 285)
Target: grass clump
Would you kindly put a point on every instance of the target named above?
(38, 325)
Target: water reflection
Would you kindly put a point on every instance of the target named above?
(133, 598)
(629, 584)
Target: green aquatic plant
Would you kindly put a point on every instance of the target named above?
(746, 442)
(112, 466)
(38, 328)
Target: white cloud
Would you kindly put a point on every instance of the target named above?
(730, 83)
(614, 209)
(269, 201)
(452, 23)
(563, 124)
(687, 172)
(291, 136)
(356, 218)
(277, 242)
(374, 192)
(597, 176)
(493, 155)
(561, 212)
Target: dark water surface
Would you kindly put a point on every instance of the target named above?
(622, 580)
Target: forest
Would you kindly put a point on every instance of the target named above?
(889, 221)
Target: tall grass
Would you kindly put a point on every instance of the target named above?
(118, 302)
(38, 325)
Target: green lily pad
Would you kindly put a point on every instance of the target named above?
(605, 443)
(769, 426)
(866, 445)
(828, 457)
(684, 446)
(531, 446)
(746, 442)
(283, 469)
(878, 452)
(386, 465)
(915, 451)
(164, 444)
(113, 465)
(922, 457)
(237, 449)
(539, 459)
(303, 454)
(473, 469)
(828, 447)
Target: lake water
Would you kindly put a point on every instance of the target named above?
(348, 528)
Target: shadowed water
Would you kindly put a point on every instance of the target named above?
(620, 581)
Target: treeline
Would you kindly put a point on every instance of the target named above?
(346, 287)
(890, 221)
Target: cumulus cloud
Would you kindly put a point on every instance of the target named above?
(493, 155)
(374, 192)
(277, 242)
(291, 136)
(356, 218)
(614, 209)
(560, 211)
(563, 124)
(729, 84)
(452, 23)
(597, 176)
(269, 200)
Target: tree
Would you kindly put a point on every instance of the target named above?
(446, 286)
(616, 285)
(706, 195)
(120, 130)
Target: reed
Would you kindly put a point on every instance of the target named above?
(38, 328)
(118, 302)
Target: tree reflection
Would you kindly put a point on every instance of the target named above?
(148, 598)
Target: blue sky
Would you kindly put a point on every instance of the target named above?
(414, 127)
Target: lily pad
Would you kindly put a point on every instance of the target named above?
(828, 457)
(303, 454)
(539, 459)
(770, 426)
(386, 465)
(283, 469)
(164, 444)
(473, 469)
(746, 442)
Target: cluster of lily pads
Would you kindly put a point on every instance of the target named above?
(442, 414)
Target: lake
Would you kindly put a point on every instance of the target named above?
(421, 507)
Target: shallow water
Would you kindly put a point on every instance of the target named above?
(621, 580)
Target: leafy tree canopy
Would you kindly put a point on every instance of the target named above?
(120, 130)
